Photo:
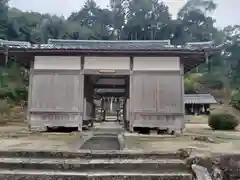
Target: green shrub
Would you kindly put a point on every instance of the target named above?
(190, 85)
(222, 121)
(4, 108)
(212, 81)
(14, 95)
(235, 99)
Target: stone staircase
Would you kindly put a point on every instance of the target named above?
(111, 118)
(92, 165)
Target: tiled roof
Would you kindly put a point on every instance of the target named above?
(15, 43)
(209, 44)
(99, 44)
(107, 45)
(199, 99)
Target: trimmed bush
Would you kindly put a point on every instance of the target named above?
(222, 121)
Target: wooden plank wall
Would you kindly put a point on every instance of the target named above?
(88, 99)
(104, 63)
(56, 94)
(157, 94)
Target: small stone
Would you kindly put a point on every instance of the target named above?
(204, 139)
(201, 172)
(185, 153)
(217, 173)
(178, 134)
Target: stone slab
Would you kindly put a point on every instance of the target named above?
(83, 165)
(54, 175)
(123, 154)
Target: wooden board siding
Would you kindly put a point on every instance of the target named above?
(156, 98)
(56, 93)
(88, 99)
(156, 64)
(156, 94)
(170, 122)
(40, 120)
(107, 63)
(57, 62)
(88, 110)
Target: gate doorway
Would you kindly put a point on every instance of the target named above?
(106, 98)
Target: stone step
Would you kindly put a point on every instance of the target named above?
(83, 165)
(92, 154)
(102, 143)
(53, 175)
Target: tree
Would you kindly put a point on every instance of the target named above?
(119, 12)
(3, 18)
(130, 20)
(200, 6)
(231, 56)
(146, 19)
(93, 17)
(193, 23)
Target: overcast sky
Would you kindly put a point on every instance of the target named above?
(227, 12)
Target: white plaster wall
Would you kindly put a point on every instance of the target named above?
(57, 62)
(156, 63)
(104, 63)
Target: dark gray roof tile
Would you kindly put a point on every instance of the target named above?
(15, 43)
(108, 45)
(199, 99)
(99, 44)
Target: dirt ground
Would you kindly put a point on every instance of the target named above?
(16, 136)
(217, 141)
(196, 126)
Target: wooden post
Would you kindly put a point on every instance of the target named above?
(130, 108)
(81, 91)
(208, 62)
(183, 93)
(6, 55)
(30, 94)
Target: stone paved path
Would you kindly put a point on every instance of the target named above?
(102, 143)
(105, 137)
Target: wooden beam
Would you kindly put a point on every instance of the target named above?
(111, 94)
(111, 77)
(109, 86)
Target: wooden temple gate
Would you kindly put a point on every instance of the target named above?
(63, 82)
(61, 91)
